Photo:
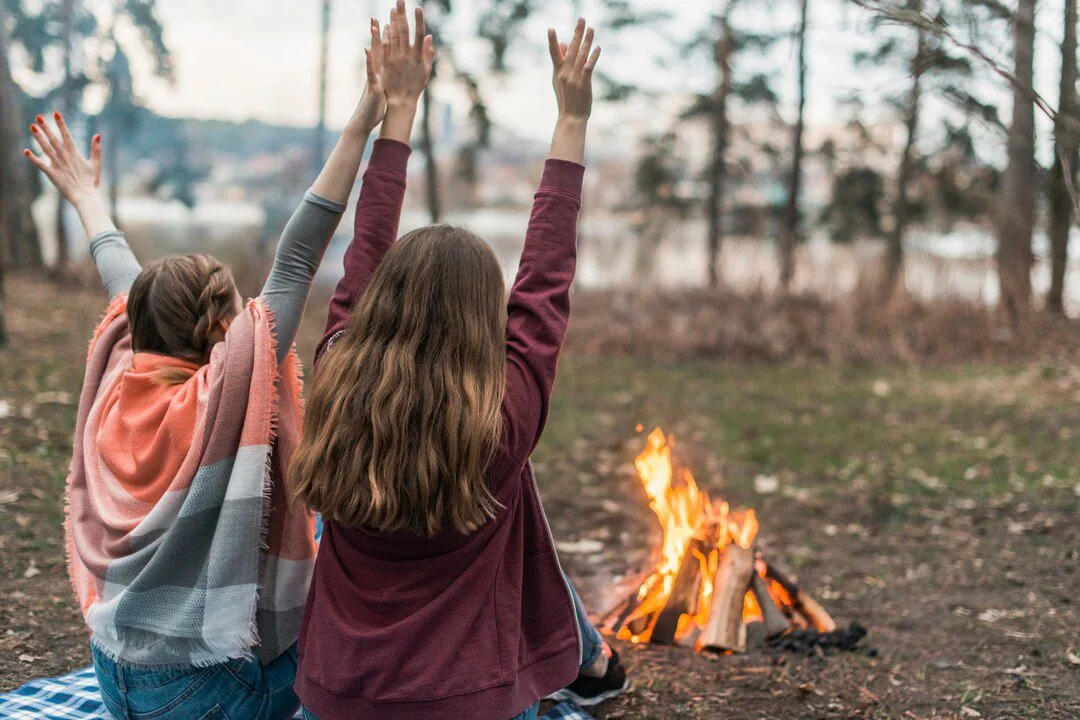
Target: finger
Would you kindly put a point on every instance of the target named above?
(391, 29)
(554, 48)
(52, 137)
(65, 134)
(562, 51)
(95, 158)
(38, 162)
(42, 141)
(420, 34)
(402, 27)
(386, 45)
(591, 64)
(374, 55)
(575, 43)
(584, 52)
(429, 52)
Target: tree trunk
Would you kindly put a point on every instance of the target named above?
(112, 150)
(428, 144)
(718, 166)
(790, 230)
(1066, 158)
(319, 147)
(67, 106)
(894, 253)
(19, 243)
(1016, 219)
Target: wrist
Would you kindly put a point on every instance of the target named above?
(402, 103)
(398, 123)
(569, 121)
(86, 198)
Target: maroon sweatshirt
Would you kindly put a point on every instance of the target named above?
(456, 626)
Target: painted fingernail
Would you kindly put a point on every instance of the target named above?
(40, 119)
(56, 115)
(33, 128)
(26, 153)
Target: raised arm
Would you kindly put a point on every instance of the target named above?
(310, 229)
(405, 72)
(79, 180)
(539, 308)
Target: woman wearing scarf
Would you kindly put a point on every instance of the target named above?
(189, 563)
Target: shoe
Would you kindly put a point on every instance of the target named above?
(589, 691)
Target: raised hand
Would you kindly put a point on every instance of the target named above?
(573, 65)
(369, 113)
(74, 175)
(407, 65)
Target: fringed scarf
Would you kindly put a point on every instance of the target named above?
(183, 547)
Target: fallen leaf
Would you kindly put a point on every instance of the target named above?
(969, 712)
(1072, 657)
(766, 484)
(8, 496)
(580, 547)
(54, 398)
(27, 658)
(31, 570)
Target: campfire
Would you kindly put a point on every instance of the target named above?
(711, 588)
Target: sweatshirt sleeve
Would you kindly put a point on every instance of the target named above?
(378, 213)
(539, 307)
(303, 244)
(115, 261)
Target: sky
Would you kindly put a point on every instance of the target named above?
(241, 59)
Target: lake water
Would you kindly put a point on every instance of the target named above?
(958, 264)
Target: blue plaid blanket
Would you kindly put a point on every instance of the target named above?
(76, 697)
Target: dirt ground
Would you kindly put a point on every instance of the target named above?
(937, 507)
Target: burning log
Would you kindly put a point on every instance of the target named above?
(807, 606)
(774, 619)
(674, 603)
(725, 629)
(684, 594)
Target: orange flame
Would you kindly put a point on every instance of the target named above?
(685, 512)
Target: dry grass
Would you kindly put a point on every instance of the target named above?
(756, 327)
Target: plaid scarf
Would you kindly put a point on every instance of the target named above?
(183, 548)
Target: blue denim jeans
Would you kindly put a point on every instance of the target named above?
(234, 690)
(592, 644)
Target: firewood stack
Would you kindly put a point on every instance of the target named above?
(750, 598)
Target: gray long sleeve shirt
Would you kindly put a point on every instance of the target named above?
(299, 254)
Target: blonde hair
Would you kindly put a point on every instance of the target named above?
(181, 307)
(405, 412)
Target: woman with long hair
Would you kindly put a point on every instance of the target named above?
(437, 591)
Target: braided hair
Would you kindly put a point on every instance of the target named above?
(181, 307)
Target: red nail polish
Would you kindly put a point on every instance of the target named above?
(40, 119)
(56, 115)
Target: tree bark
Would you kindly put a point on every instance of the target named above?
(718, 165)
(790, 230)
(428, 145)
(1016, 209)
(1066, 158)
(894, 252)
(319, 147)
(67, 106)
(19, 243)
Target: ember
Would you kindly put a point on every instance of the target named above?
(710, 583)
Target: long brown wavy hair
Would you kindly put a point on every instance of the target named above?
(404, 415)
(181, 307)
